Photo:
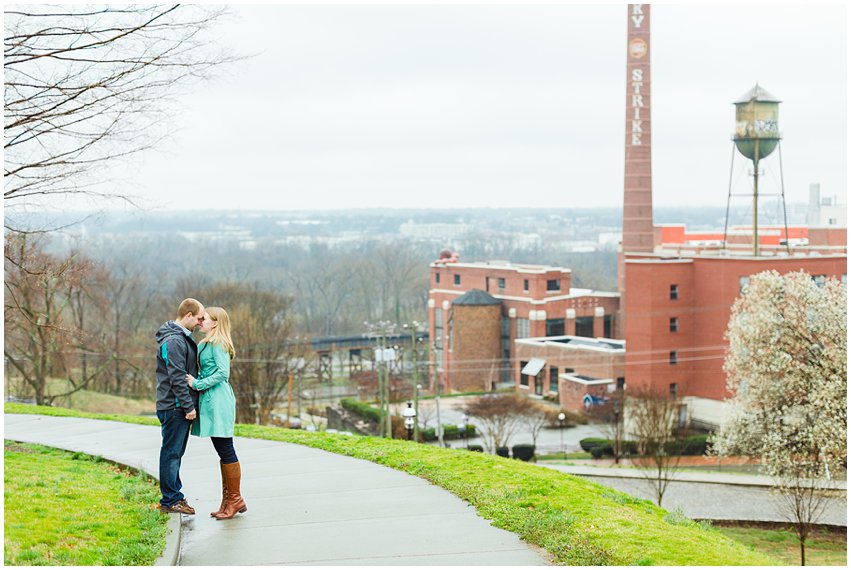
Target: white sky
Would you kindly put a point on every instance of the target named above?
(497, 105)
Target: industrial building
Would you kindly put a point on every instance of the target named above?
(675, 287)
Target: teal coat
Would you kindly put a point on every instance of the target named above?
(217, 410)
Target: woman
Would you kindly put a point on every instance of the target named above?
(217, 410)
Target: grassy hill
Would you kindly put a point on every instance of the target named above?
(577, 521)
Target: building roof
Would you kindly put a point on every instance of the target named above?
(757, 94)
(608, 344)
(504, 265)
(476, 297)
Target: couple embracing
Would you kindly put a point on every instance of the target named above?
(194, 395)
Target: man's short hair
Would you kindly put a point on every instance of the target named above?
(188, 306)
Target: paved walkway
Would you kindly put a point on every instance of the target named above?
(718, 496)
(306, 506)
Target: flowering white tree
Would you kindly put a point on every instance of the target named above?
(786, 366)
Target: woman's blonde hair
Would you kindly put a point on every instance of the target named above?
(220, 334)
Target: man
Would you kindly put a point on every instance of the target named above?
(177, 404)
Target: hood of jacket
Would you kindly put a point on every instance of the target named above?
(168, 329)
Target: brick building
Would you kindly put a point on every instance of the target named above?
(534, 301)
(677, 312)
(579, 371)
(474, 341)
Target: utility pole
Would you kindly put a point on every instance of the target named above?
(416, 381)
(387, 397)
(437, 398)
(380, 371)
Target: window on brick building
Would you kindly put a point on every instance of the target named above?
(524, 378)
(437, 277)
(523, 328)
(607, 326)
(675, 292)
(553, 379)
(743, 283)
(500, 282)
(621, 383)
(675, 324)
(525, 285)
(672, 357)
(555, 327)
(568, 370)
(457, 279)
(673, 389)
(553, 284)
(585, 326)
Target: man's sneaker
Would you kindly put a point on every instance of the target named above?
(181, 507)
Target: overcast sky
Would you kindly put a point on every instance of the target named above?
(497, 105)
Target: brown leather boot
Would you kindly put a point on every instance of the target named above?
(224, 491)
(235, 503)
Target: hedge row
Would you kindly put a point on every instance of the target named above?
(361, 408)
(601, 447)
(450, 431)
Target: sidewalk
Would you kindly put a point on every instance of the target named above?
(305, 506)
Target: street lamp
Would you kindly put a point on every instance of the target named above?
(410, 418)
(561, 418)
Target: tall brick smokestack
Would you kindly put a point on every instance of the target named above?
(637, 186)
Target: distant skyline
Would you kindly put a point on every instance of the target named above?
(441, 106)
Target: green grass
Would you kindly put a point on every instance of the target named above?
(64, 508)
(823, 548)
(577, 521)
(563, 456)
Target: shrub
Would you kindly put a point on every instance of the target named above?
(589, 443)
(502, 451)
(523, 451)
(450, 431)
(361, 408)
(602, 451)
(695, 445)
(478, 448)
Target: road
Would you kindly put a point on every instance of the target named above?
(719, 501)
(549, 440)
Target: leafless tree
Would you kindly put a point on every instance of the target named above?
(323, 288)
(499, 417)
(803, 499)
(87, 85)
(610, 414)
(652, 420)
(535, 416)
(46, 332)
(265, 349)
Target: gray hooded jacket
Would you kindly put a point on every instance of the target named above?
(177, 356)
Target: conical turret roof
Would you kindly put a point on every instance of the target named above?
(476, 297)
(757, 94)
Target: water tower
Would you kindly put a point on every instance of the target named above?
(756, 137)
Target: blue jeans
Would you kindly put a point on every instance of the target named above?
(175, 432)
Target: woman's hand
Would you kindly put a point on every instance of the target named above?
(190, 380)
